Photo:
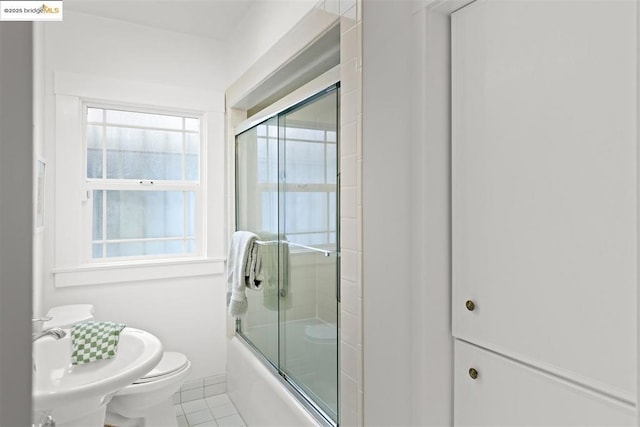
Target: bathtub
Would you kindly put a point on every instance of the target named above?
(258, 393)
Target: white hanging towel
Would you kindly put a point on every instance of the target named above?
(240, 270)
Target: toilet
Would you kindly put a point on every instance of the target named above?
(322, 333)
(321, 340)
(148, 402)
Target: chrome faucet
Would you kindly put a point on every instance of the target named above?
(37, 324)
(57, 333)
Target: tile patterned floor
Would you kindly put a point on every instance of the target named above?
(209, 412)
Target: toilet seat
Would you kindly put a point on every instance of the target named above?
(170, 363)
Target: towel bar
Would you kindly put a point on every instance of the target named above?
(325, 252)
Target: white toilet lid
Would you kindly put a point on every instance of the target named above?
(322, 332)
(170, 363)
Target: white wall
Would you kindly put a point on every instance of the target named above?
(15, 223)
(387, 197)
(91, 45)
(263, 25)
(407, 338)
(186, 314)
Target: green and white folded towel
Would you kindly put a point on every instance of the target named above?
(93, 341)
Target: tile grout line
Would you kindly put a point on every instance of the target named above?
(203, 405)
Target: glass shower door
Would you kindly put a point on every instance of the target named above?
(308, 148)
(257, 211)
(287, 193)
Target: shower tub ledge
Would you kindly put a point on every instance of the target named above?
(259, 395)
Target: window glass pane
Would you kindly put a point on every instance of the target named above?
(192, 124)
(161, 247)
(191, 213)
(262, 130)
(164, 247)
(269, 208)
(191, 167)
(192, 157)
(94, 151)
(192, 143)
(306, 212)
(304, 162)
(95, 115)
(267, 160)
(332, 164)
(130, 118)
(125, 249)
(97, 251)
(303, 134)
(98, 214)
(143, 154)
(309, 239)
(144, 214)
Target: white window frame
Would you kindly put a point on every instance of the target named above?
(91, 184)
(69, 257)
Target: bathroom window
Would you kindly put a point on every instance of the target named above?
(307, 192)
(143, 173)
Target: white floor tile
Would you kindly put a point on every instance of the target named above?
(224, 411)
(209, 412)
(218, 400)
(199, 417)
(194, 406)
(231, 421)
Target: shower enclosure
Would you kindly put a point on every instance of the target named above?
(287, 193)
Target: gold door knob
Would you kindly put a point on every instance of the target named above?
(470, 305)
(473, 373)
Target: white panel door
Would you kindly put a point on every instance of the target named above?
(507, 393)
(544, 184)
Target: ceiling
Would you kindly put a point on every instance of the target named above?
(215, 19)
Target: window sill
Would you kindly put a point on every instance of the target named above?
(100, 274)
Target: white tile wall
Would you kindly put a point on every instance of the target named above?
(348, 203)
(348, 140)
(351, 213)
(200, 389)
(348, 174)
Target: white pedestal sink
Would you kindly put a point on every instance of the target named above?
(76, 396)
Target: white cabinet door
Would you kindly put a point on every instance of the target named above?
(507, 393)
(544, 182)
